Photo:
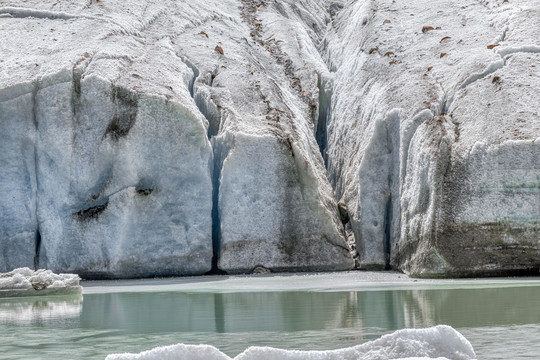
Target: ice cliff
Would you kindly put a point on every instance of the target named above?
(172, 138)
(434, 138)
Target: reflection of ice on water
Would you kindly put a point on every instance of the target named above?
(39, 310)
(138, 318)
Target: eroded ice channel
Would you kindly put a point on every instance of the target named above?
(498, 317)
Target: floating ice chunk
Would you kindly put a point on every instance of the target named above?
(178, 351)
(439, 342)
(26, 282)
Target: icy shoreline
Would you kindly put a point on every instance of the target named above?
(327, 282)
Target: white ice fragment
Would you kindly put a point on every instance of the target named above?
(26, 282)
(440, 342)
(173, 352)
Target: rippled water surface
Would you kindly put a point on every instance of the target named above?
(501, 320)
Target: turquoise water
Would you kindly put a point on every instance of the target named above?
(501, 322)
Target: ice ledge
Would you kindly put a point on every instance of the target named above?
(26, 282)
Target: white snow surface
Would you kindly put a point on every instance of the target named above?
(439, 342)
(26, 282)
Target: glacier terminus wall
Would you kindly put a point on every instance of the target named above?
(163, 138)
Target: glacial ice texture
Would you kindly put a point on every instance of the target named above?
(175, 138)
(161, 139)
(433, 138)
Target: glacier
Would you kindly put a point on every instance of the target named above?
(166, 138)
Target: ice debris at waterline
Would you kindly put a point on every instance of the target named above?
(26, 282)
(441, 342)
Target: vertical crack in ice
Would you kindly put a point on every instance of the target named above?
(205, 106)
(37, 249)
(195, 76)
(445, 102)
(387, 242)
(202, 99)
(37, 241)
(322, 125)
(219, 156)
(321, 135)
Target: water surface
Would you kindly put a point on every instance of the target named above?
(501, 321)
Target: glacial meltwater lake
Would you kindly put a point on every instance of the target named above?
(500, 317)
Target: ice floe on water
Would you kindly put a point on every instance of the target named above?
(438, 342)
(26, 282)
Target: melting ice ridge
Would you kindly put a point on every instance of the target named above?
(439, 342)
